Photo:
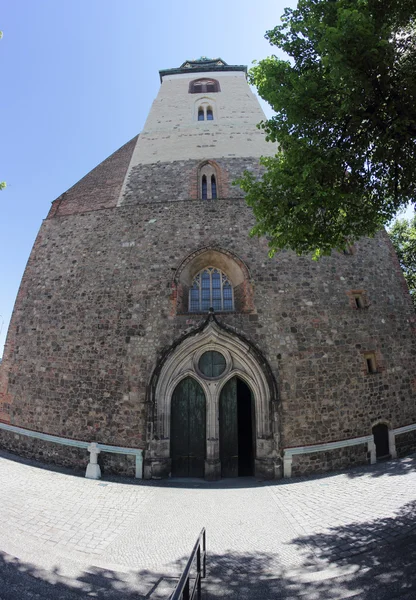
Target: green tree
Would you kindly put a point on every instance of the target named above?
(403, 236)
(345, 123)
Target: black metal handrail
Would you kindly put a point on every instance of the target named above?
(183, 589)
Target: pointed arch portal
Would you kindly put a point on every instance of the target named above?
(235, 407)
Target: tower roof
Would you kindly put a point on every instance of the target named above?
(202, 65)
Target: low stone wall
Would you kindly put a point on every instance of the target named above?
(46, 452)
(65, 456)
(405, 443)
(117, 464)
(329, 460)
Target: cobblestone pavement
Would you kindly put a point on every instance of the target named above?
(63, 536)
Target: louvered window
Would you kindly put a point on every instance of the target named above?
(201, 86)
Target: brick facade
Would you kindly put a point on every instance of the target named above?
(101, 301)
(99, 189)
(90, 327)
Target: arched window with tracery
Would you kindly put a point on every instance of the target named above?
(211, 288)
(204, 111)
(204, 187)
(209, 181)
(213, 187)
(224, 278)
(203, 86)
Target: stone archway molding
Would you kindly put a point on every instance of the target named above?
(243, 360)
(213, 256)
(239, 273)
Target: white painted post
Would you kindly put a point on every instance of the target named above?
(287, 465)
(139, 465)
(93, 468)
(372, 450)
(392, 444)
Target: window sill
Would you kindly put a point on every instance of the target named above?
(206, 312)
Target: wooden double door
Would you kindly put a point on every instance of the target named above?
(236, 414)
(188, 429)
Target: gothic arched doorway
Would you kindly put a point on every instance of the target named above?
(169, 451)
(236, 414)
(188, 427)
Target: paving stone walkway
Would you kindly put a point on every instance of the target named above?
(63, 536)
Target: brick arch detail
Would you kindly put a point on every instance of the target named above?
(221, 178)
(215, 256)
(204, 80)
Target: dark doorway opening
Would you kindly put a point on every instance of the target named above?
(188, 427)
(245, 430)
(381, 440)
(236, 430)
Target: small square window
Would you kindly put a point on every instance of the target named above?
(359, 301)
(371, 363)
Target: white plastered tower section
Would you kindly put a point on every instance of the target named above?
(172, 131)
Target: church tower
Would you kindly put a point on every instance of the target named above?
(148, 319)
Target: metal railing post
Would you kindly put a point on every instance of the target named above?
(185, 593)
(183, 590)
(204, 550)
(198, 570)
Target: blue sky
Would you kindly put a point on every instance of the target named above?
(78, 79)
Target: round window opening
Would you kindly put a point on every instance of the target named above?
(212, 364)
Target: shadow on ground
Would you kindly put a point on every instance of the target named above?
(370, 537)
(400, 466)
(365, 561)
(387, 468)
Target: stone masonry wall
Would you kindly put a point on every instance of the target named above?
(405, 443)
(98, 305)
(46, 452)
(94, 313)
(177, 180)
(331, 460)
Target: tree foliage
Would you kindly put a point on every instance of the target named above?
(345, 123)
(403, 236)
